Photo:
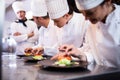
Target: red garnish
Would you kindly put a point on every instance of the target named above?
(65, 56)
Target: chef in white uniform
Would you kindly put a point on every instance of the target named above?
(48, 38)
(24, 31)
(72, 25)
(104, 33)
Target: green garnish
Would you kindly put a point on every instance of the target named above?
(63, 62)
(38, 57)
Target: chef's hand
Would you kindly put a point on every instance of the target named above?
(70, 50)
(55, 57)
(61, 52)
(65, 50)
(28, 50)
(38, 51)
(31, 34)
(16, 34)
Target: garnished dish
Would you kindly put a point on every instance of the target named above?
(34, 55)
(34, 58)
(62, 65)
(65, 61)
(38, 57)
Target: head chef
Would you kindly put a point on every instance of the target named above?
(19, 10)
(95, 10)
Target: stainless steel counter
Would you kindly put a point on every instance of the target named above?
(32, 71)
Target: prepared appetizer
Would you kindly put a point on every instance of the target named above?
(38, 57)
(65, 61)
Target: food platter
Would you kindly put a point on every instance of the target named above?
(49, 65)
(32, 59)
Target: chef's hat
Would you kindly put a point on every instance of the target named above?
(38, 8)
(18, 6)
(87, 4)
(57, 8)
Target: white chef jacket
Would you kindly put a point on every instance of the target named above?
(23, 41)
(104, 40)
(73, 32)
(48, 39)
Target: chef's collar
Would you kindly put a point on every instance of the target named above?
(21, 21)
(72, 18)
(113, 13)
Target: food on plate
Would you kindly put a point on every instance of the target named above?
(65, 60)
(38, 57)
(38, 53)
(64, 57)
(28, 51)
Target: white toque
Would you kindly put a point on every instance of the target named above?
(38, 8)
(18, 6)
(57, 8)
(87, 4)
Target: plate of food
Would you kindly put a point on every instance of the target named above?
(64, 64)
(34, 58)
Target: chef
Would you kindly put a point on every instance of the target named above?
(48, 38)
(24, 31)
(72, 25)
(104, 33)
